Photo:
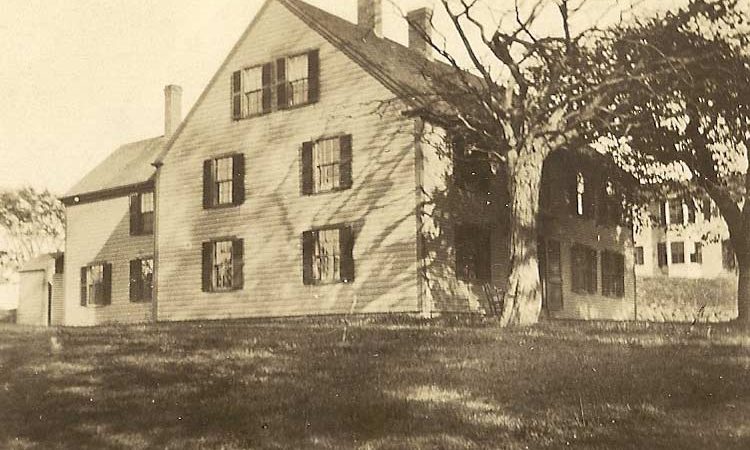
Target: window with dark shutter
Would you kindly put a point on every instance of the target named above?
(661, 254)
(267, 87)
(282, 86)
(326, 165)
(84, 286)
(328, 255)
(142, 207)
(141, 280)
(222, 264)
(96, 285)
(678, 252)
(583, 269)
(346, 162)
(135, 215)
(135, 280)
(107, 281)
(613, 274)
(224, 181)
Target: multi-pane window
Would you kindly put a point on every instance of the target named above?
(613, 274)
(224, 181)
(142, 213)
(584, 269)
(676, 213)
(222, 265)
(297, 76)
(639, 257)
(678, 252)
(252, 86)
(327, 255)
(473, 254)
(326, 165)
(141, 280)
(96, 284)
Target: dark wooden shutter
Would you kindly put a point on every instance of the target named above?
(706, 208)
(345, 171)
(281, 84)
(107, 280)
(135, 215)
(313, 76)
(308, 251)
(306, 168)
(238, 179)
(207, 265)
(663, 211)
(84, 271)
(572, 191)
(238, 252)
(237, 95)
(135, 280)
(267, 87)
(346, 241)
(208, 183)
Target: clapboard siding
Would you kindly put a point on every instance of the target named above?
(99, 232)
(32, 303)
(380, 205)
(58, 299)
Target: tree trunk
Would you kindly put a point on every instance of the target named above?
(523, 298)
(743, 290)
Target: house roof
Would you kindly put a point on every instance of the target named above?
(402, 70)
(129, 165)
(41, 262)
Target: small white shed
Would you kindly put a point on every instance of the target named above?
(40, 298)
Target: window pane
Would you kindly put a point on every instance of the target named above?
(147, 202)
(253, 79)
(253, 85)
(297, 76)
(326, 161)
(327, 257)
(147, 278)
(225, 192)
(222, 273)
(95, 285)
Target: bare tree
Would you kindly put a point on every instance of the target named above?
(529, 93)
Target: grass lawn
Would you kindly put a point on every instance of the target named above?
(393, 384)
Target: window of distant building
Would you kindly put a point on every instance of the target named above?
(661, 254)
(613, 274)
(584, 270)
(697, 255)
(678, 252)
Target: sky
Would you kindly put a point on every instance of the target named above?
(79, 78)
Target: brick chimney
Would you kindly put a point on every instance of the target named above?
(370, 16)
(420, 31)
(172, 109)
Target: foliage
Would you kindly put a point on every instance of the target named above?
(31, 223)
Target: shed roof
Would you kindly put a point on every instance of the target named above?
(40, 262)
(129, 165)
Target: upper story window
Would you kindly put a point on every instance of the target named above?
(141, 280)
(580, 191)
(224, 181)
(676, 212)
(142, 208)
(96, 285)
(327, 255)
(639, 256)
(609, 207)
(290, 81)
(327, 165)
(222, 265)
(473, 254)
(471, 168)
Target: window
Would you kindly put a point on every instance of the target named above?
(676, 213)
(252, 87)
(222, 265)
(96, 285)
(142, 213)
(251, 91)
(581, 196)
(661, 254)
(639, 256)
(297, 80)
(473, 254)
(609, 208)
(326, 165)
(697, 255)
(224, 181)
(471, 169)
(327, 255)
(580, 191)
(584, 270)
(678, 252)
(613, 274)
(728, 259)
(141, 280)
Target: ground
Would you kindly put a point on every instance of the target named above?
(391, 384)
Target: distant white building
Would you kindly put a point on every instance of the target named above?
(687, 239)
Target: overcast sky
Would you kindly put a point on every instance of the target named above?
(81, 77)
